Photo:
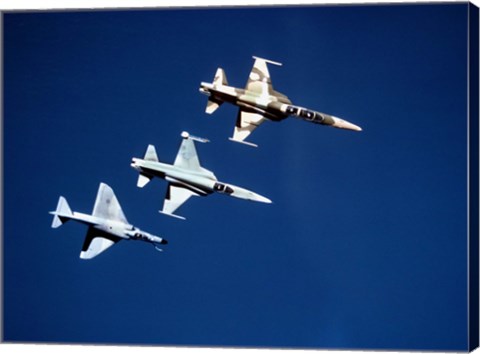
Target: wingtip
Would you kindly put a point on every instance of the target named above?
(187, 135)
(172, 215)
(267, 60)
(243, 142)
(83, 255)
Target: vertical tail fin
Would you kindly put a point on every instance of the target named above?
(62, 214)
(151, 154)
(138, 164)
(220, 77)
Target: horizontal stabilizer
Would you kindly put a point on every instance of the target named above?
(151, 154)
(57, 222)
(62, 214)
(143, 180)
(212, 105)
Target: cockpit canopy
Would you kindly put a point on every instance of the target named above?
(305, 114)
(222, 188)
(292, 110)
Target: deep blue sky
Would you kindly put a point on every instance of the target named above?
(365, 244)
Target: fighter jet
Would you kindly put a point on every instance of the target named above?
(106, 226)
(259, 102)
(186, 177)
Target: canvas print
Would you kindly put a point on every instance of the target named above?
(296, 176)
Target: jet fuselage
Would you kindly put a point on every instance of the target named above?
(198, 182)
(271, 104)
(115, 228)
(203, 182)
(106, 225)
(273, 107)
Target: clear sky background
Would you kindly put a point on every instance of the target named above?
(365, 245)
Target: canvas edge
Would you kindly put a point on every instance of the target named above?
(473, 177)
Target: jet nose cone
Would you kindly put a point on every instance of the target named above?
(343, 124)
(243, 193)
(164, 242)
(261, 199)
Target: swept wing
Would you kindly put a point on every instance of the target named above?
(174, 198)
(107, 206)
(187, 159)
(260, 84)
(259, 79)
(187, 156)
(96, 242)
(247, 122)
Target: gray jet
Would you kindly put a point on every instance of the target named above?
(259, 102)
(106, 226)
(186, 177)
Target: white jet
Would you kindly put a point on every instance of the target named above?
(106, 225)
(186, 177)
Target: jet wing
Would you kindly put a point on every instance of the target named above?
(107, 206)
(175, 197)
(247, 122)
(96, 242)
(259, 78)
(187, 156)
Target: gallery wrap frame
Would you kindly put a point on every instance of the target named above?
(472, 166)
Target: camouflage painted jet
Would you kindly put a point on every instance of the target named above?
(106, 226)
(259, 102)
(186, 177)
